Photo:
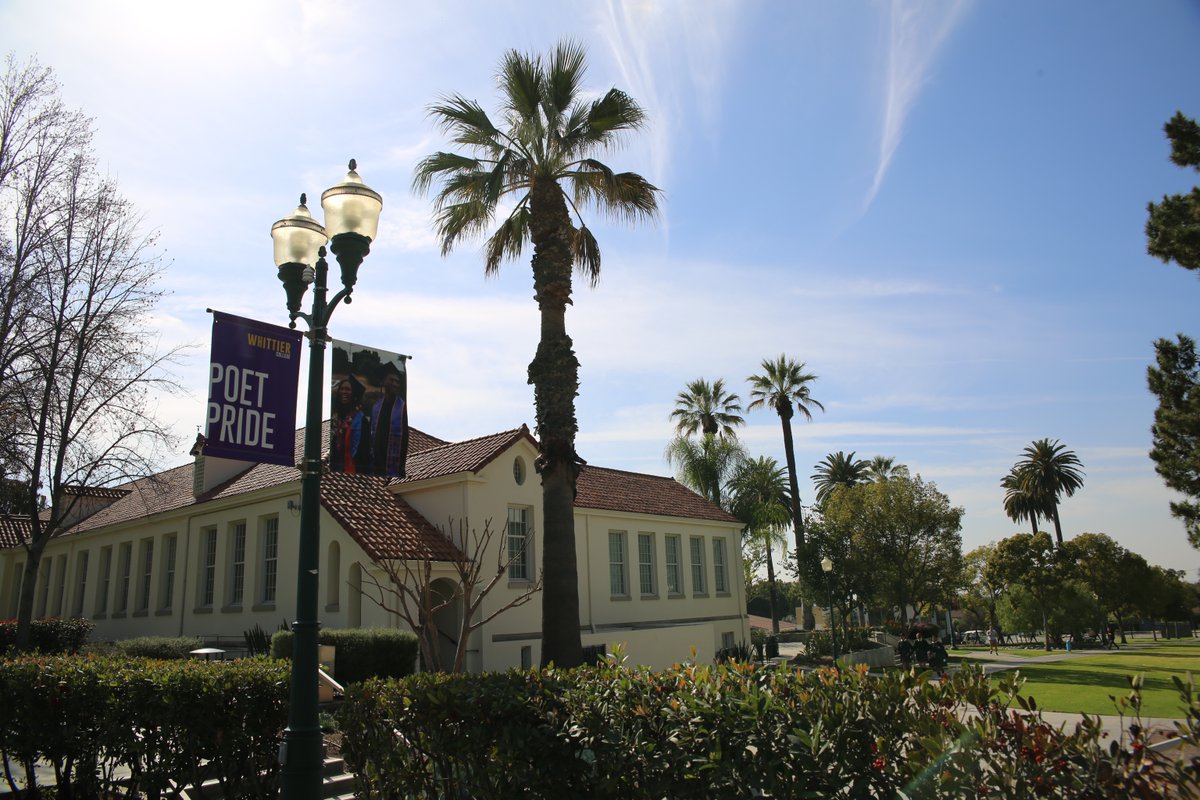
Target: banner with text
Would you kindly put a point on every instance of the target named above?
(369, 419)
(253, 377)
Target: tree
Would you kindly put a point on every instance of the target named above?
(1047, 471)
(1019, 504)
(421, 599)
(78, 361)
(982, 591)
(544, 145)
(705, 464)
(1175, 381)
(1096, 560)
(785, 387)
(837, 469)
(1029, 562)
(907, 535)
(707, 408)
(758, 497)
(1173, 226)
(883, 468)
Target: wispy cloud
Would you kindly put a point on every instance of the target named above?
(916, 32)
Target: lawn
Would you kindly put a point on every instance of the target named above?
(1084, 684)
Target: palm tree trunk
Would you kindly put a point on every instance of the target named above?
(789, 451)
(771, 591)
(1057, 526)
(554, 373)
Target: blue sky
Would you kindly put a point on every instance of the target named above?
(939, 207)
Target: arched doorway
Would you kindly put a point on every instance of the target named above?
(448, 620)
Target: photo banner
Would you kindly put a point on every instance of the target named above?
(369, 411)
(254, 372)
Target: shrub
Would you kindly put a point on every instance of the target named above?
(733, 730)
(168, 723)
(48, 636)
(161, 647)
(361, 653)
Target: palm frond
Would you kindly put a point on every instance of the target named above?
(564, 74)
(456, 220)
(586, 252)
(466, 121)
(520, 79)
(439, 164)
(603, 120)
(622, 195)
(508, 239)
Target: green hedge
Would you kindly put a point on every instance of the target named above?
(361, 653)
(170, 723)
(48, 636)
(730, 731)
(160, 647)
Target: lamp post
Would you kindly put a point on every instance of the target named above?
(827, 568)
(351, 223)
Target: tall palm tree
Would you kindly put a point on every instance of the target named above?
(837, 469)
(1047, 471)
(1019, 504)
(784, 386)
(758, 493)
(706, 407)
(538, 162)
(705, 464)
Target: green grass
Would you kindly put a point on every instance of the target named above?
(1084, 684)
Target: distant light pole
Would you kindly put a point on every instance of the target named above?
(351, 224)
(827, 568)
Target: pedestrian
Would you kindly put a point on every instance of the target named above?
(993, 637)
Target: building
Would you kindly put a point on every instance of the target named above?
(207, 549)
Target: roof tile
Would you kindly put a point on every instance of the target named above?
(637, 493)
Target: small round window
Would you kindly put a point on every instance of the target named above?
(519, 470)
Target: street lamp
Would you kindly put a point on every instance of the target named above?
(351, 224)
(827, 568)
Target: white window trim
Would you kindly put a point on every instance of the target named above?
(647, 568)
(522, 571)
(618, 569)
(675, 541)
(698, 568)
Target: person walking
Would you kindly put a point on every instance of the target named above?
(993, 637)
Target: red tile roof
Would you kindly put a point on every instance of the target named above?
(14, 530)
(385, 525)
(453, 458)
(616, 490)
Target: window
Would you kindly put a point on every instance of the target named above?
(617, 584)
(674, 565)
(237, 562)
(81, 568)
(696, 544)
(166, 597)
(269, 535)
(526, 657)
(519, 470)
(124, 572)
(145, 575)
(646, 576)
(105, 572)
(60, 585)
(720, 576)
(208, 567)
(727, 641)
(520, 544)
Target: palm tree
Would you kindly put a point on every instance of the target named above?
(837, 469)
(705, 407)
(784, 386)
(759, 498)
(1047, 471)
(1019, 504)
(884, 468)
(705, 464)
(542, 147)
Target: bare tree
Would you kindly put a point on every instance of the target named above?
(410, 592)
(80, 365)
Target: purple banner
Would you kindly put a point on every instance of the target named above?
(253, 377)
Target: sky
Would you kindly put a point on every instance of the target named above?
(938, 207)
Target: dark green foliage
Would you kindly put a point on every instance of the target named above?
(1173, 226)
(361, 653)
(48, 636)
(169, 723)
(258, 641)
(730, 731)
(161, 647)
(1175, 381)
(739, 652)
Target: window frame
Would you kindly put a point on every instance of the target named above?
(618, 568)
(647, 566)
(268, 550)
(206, 586)
(145, 577)
(105, 581)
(698, 567)
(124, 578)
(720, 566)
(519, 570)
(235, 589)
(81, 569)
(674, 547)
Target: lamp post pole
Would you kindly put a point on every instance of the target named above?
(827, 567)
(352, 219)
